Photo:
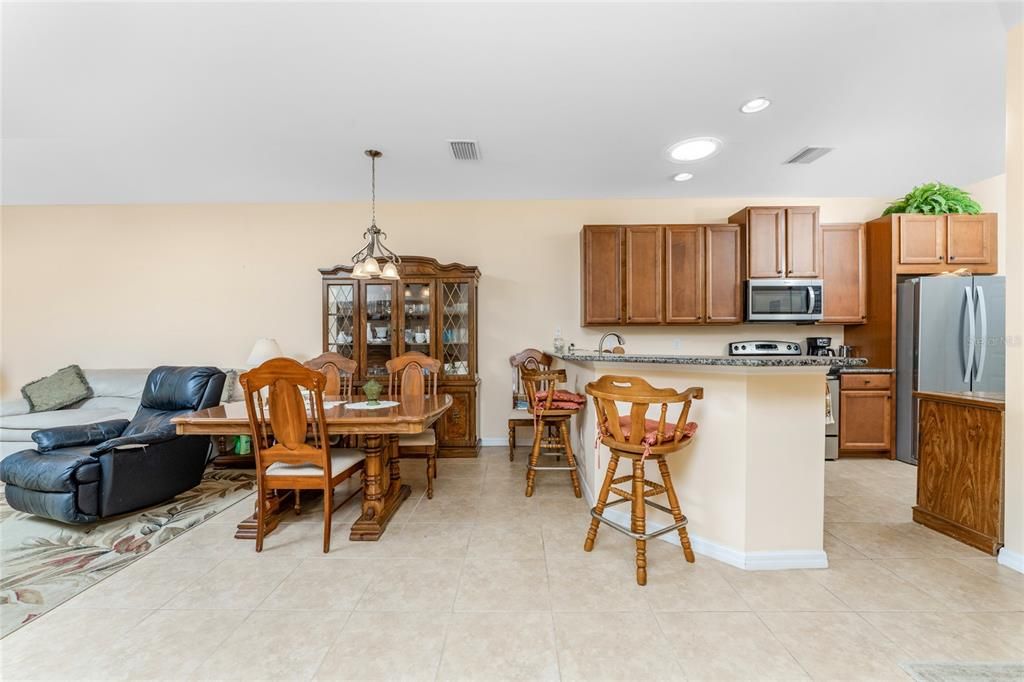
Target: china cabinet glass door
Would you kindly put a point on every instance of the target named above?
(417, 305)
(380, 348)
(341, 325)
(455, 329)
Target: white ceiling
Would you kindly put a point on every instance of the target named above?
(183, 102)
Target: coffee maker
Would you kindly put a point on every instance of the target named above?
(819, 345)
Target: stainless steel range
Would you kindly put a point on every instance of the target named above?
(764, 348)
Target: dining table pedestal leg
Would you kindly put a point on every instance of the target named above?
(276, 502)
(383, 492)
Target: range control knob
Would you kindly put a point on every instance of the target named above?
(743, 347)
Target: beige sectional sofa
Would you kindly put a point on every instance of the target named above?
(116, 395)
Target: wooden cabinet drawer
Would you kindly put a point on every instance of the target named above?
(865, 382)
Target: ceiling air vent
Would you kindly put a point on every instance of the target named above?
(464, 150)
(809, 154)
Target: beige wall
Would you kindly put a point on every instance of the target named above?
(991, 194)
(135, 286)
(1014, 250)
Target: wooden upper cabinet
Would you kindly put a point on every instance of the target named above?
(722, 275)
(803, 242)
(684, 274)
(766, 240)
(644, 262)
(844, 274)
(922, 238)
(601, 274)
(969, 237)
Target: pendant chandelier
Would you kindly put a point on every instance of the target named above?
(365, 259)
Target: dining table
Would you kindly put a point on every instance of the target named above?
(376, 427)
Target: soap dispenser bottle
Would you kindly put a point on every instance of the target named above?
(559, 342)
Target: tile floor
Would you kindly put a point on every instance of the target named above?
(483, 583)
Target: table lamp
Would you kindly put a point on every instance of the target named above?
(264, 349)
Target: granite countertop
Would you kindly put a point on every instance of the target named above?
(713, 360)
(867, 370)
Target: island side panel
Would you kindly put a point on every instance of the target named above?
(786, 464)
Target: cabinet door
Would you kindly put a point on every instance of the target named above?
(843, 272)
(644, 262)
(457, 428)
(341, 327)
(922, 239)
(379, 328)
(416, 331)
(722, 285)
(457, 329)
(803, 242)
(865, 420)
(968, 237)
(601, 274)
(684, 274)
(766, 239)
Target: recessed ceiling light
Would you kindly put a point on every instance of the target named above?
(755, 105)
(694, 149)
(682, 177)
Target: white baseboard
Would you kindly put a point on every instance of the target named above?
(1011, 560)
(494, 442)
(748, 561)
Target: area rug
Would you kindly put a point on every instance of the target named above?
(44, 563)
(965, 672)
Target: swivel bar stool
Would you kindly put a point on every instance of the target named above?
(637, 438)
(551, 410)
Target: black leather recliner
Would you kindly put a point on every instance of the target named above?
(79, 474)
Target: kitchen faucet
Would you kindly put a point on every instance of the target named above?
(618, 337)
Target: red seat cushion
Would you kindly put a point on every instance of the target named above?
(651, 430)
(562, 397)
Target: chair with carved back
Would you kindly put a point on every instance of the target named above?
(289, 437)
(635, 437)
(550, 409)
(520, 416)
(414, 374)
(338, 370)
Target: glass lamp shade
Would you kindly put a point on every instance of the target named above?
(358, 272)
(263, 350)
(390, 271)
(371, 267)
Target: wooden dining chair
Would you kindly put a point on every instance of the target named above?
(289, 437)
(414, 374)
(530, 359)
(338, 370)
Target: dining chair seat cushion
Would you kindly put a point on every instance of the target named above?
(341, 459)
(562, 397)
(523, 415)
(651, 430)
(418, 440)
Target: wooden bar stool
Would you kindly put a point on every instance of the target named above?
(531, 359)
(637, 438)
(550, 409)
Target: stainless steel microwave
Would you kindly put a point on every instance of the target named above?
(783, 300)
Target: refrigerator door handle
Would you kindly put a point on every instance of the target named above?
(982, 309)
(971, 336)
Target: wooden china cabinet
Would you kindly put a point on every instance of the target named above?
(431, 309)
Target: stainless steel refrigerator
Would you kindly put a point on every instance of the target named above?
(950, 337)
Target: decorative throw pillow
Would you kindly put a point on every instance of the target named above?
(62, 388)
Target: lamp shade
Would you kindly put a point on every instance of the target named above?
(263, 350)
(371, 267)
(390, 271)
(358, 272)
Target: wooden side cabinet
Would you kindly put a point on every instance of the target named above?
(601, 275)
(844, 274)
(930, 244)
(865, 414)
(960, 467)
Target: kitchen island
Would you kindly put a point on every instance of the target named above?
(752, 484)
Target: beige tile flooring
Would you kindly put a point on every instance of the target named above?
(483, 583)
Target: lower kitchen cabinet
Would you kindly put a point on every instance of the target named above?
(865, 414)
(960, 467)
